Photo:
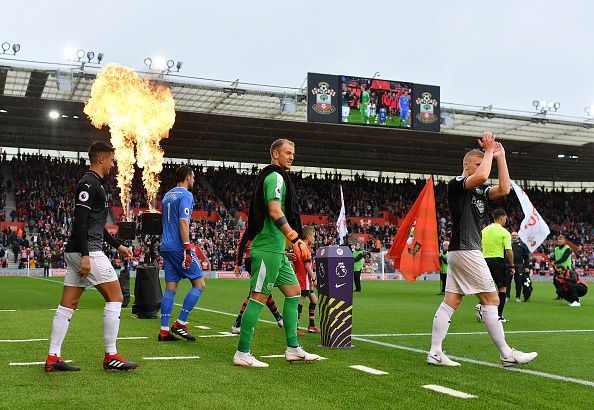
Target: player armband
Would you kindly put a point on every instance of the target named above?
(281, 221)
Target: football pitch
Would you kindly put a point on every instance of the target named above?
(391, 121)
(391, 334)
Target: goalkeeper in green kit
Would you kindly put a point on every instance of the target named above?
(364, 104)
(273, 221)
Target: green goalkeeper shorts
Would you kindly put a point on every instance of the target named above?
(269, 270)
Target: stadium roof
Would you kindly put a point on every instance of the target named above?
(536, 139)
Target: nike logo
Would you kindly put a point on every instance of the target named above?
(341, 285)
(436, 358)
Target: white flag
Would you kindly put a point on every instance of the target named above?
(341, 224)
(533, 230)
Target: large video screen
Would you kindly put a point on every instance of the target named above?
(367, 101)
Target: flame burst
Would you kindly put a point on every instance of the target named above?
(138, 113)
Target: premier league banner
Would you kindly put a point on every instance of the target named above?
(322, 98)
(426, 108)
(334, 271)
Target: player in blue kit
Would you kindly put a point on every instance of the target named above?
(403, 107)
(179, 259)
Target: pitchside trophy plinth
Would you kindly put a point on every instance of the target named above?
(334, 271)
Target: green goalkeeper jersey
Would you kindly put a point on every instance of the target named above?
(270, 238)
(364, 99)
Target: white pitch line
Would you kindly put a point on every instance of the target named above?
(479, 333)
(202, 327)
(412, 349)
(473, 361)
(22, 340)
(31, 363)
(132, 337)
(226, 335)
(369, 370)
(7, 310)
(171, 357)
(448, 391)
(278, 356)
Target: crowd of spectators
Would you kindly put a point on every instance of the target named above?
(43, 189)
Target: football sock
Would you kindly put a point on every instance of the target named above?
(248, 325)
(441, 324)
(240, 315)
(495, 329)
(299, 310)
(189, 302)
(167, 308)
(290, 315)
(59, 329)
(111, 325)
(502, 297)
(272, 306)
(312, 313)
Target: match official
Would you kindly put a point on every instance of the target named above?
(496, 248)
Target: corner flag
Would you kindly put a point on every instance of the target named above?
(415, 249)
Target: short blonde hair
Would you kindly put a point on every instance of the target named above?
(473, 153)
(279, 143)
(308, 230)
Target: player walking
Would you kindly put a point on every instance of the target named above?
(273, 218)
(88, 265)
(468, 273)
(179, 259)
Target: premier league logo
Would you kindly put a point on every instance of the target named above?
(426, 113)
(324, 95)
(341, 270)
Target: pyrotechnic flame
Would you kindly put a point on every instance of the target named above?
(137, 112)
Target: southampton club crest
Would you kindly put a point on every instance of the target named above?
(426, 108)
(324, 95)
(412, 245)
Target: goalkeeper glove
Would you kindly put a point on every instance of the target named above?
(187, 255)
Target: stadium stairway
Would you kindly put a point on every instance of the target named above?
(9, 206)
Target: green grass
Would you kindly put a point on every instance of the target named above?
(391, 121)
(212, 381)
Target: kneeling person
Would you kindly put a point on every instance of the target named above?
(571, 286)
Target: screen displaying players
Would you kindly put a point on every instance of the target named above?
(366, 101)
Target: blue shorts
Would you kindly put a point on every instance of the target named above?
(172, 263)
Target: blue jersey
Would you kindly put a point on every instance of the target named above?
(178, 204)
(403, 102)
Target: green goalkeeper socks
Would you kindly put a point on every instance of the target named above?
(248, 324)
(290, 320)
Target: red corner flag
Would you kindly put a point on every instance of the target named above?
(415, 249)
